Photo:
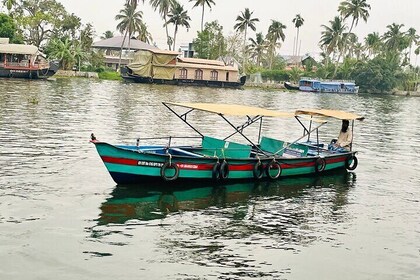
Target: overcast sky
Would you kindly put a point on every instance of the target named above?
(101, 14)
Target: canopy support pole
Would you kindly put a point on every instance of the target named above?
(183, 117)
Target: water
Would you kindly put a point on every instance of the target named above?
(62, 216)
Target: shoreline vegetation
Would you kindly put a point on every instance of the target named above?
(378, 63)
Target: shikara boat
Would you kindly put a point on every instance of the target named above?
(223, 160)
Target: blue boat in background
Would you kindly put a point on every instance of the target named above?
(330, 86)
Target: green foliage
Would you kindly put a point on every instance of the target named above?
(210, 43)
(379, 75)
(276, 75)
(40, 19)
(8, 29)
(109, 75)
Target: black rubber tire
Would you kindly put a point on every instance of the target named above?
(215, 172)
(320, 165)
(270, 167)
(351, 159)
(224, 170)
(258, 170)
(167, 165)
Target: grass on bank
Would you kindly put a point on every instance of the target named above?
(109, 75)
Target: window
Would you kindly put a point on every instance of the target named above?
(227, 76)
(198, 74)
(183, 73)
(214, 75)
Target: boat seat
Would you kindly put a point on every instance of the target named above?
(224, 149)
(296, 150)
(271, 145)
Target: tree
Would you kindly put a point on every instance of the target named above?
(144, 34)
(210, 43)
(356, 9)
(202, 3)
(62, 50)
(258, 47)
(379, 75)
(373, 43)
(298, 21)
(164, 6)
(275, 33)
(107, 35)
(86, 37)
(245, 21)
(40, 19)
(178, 17)
(130, 21)
(394, 38)
(412, 38)
(332, 36)
(8, 29)
(9, 4)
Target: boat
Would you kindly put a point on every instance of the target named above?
(289, 86)
(327, 86)
(24, 61)
(155, 66)
(223, 160)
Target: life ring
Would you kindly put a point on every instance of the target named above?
(273, 165)
(166, 166)
(258, 170)
(351, 159)
(320, 165)
(215, 172)
(224, 170)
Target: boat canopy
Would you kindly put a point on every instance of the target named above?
(341, 115)
(232, 109)
(18, 49)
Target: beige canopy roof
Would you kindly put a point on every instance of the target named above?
(232, 109)
(341, 115)
(18, 49)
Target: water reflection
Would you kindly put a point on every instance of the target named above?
(151, 201)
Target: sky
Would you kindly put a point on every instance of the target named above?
(101, 14)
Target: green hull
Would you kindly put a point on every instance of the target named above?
(131, 164)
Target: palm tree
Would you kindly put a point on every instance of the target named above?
(356, 9)
(202, 3)
(258, 47)
(107, 34)
(164, 6)
(333, 35)
(245, 20)
(298, 21)
(144, 34)
(9, 4)
(130, 21)
(275, 33)
(394, 38)
(178, 17)
(412, 38)
(373, 43)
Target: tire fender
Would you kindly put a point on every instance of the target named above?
(166, 166)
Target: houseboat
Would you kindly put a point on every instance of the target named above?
(24, 61)
(156, 66)
(330, 86)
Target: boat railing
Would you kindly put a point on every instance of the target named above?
(25, 64)
(167, 138)
(328, 80)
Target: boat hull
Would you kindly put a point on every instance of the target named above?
(29, 73)
(182, 82)
(129, 165)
